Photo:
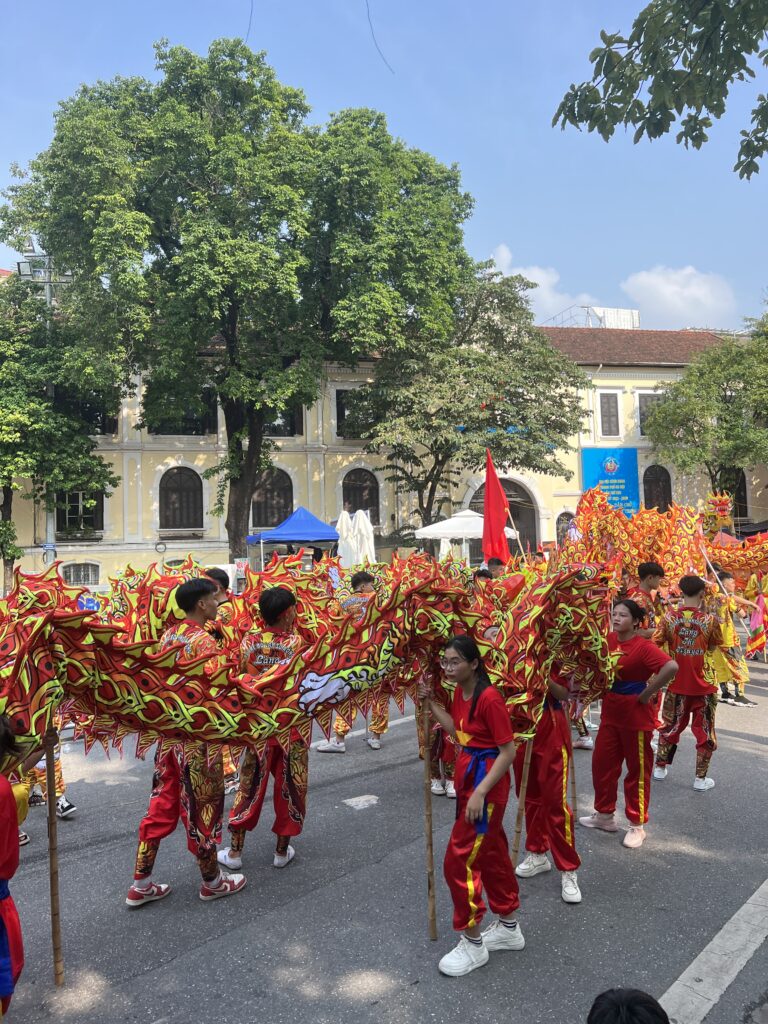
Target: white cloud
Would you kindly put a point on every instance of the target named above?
(547, 300)
(671, 297)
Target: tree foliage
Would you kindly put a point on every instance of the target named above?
(716, 415)
(49, 379)
(676, 66)
(495, 382)
(226, 244)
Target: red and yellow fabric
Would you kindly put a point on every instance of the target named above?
(678, 710)
(11, 945)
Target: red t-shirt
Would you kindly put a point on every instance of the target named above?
(640, 659)
(688, 634)
(489, 727)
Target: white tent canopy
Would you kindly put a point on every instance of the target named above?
(465, 525)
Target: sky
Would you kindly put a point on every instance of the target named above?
(671, 232)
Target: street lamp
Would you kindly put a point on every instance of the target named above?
(37, 266)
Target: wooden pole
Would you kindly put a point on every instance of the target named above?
(517, 535)
(430, 852)
(51, 739)
(521, 801)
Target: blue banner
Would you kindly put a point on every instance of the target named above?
(615, 470)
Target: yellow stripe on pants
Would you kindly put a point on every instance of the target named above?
(566, 812)
(641, 780)
(470, 880)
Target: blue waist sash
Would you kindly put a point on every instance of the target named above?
(477, 769)
(627, 688)
(5, 892)
(552, 702)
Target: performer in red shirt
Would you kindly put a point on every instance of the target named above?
(548, 816)
(260, 651)
(646, 594)
(478, 852)
(688, 634)
(186, 783)
(627, 722)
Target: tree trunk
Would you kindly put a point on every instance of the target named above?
(6, 511)
(245, 464)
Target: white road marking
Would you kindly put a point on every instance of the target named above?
(362, 732)
(700, 986)
(359, 803)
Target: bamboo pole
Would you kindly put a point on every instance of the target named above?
(51, 739)
(430, 851)
(521, 801)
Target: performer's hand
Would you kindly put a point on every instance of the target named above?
(423, 689)
(474, 811)
(645, 697)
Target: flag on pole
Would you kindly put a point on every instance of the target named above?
(495, 514)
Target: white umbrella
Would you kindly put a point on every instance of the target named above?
(362, 534)
(464, 526)
(347, 549)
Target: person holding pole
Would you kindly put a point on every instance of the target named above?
(627, 723)
(186, 782)
(549, 824)
(478, 852)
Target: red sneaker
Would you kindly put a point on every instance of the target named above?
(138, 897)
(226, 886)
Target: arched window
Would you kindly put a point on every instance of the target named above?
(740, 506)
(360, 489)
(657, 488)
(181, 500)
(272, 500)
(564, 520)
(81, 574)
(524, 513)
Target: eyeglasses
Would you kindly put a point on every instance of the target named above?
(452, 663)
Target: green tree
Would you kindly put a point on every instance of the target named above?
(233, 249)
(679, 61)
(49, 380)
(716, 415)
(495, 382)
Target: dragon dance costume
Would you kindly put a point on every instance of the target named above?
(260, 651)
(478, 853)
(186, 784)
(689, 634)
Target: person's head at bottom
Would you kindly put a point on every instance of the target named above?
(626, 1006)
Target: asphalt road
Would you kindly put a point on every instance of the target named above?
(341, 935)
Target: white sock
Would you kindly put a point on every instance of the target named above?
(142, 884)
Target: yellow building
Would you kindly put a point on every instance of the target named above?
(163, 506)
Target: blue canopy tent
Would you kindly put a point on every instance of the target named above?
(301, 527)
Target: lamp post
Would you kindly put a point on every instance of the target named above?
(37, 266)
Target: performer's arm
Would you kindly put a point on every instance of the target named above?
(558, 691)
(442, 716)
(658, 681)
(499, 768)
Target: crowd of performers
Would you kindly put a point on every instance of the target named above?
(681, 640)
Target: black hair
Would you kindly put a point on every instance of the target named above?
(495, 562)
(725, 575)
(275, 601)
(634, 609)
(8, 742)
(626, 1006)
(483, 574)
(715, 567)
(692, 586)
(646, 569)
(218, 576)
(469, 651)
(360, 578)
(317, 554)
(189, 593)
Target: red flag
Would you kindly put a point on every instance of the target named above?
(495, 514)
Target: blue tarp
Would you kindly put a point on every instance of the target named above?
(299, 528)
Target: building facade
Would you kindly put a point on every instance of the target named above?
(163, 508)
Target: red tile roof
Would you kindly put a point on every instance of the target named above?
(592, 346)
(6, 273)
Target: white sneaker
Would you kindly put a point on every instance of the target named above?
(498, 936)
(660, 773)
(282, 860)
(373, 741)
(533, 864)
(229, 860)
(437, 787)
(450, 789)
(702, 785)
(583, 743)
(634, 838)
(331, 746)
(605, 822)
(464, 959)
(570, 890)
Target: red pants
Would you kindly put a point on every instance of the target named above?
(677, 711)
(473, 861)
(12, 955)
(289, 795)
(614, 747)
(548, 815)
(184, 786)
